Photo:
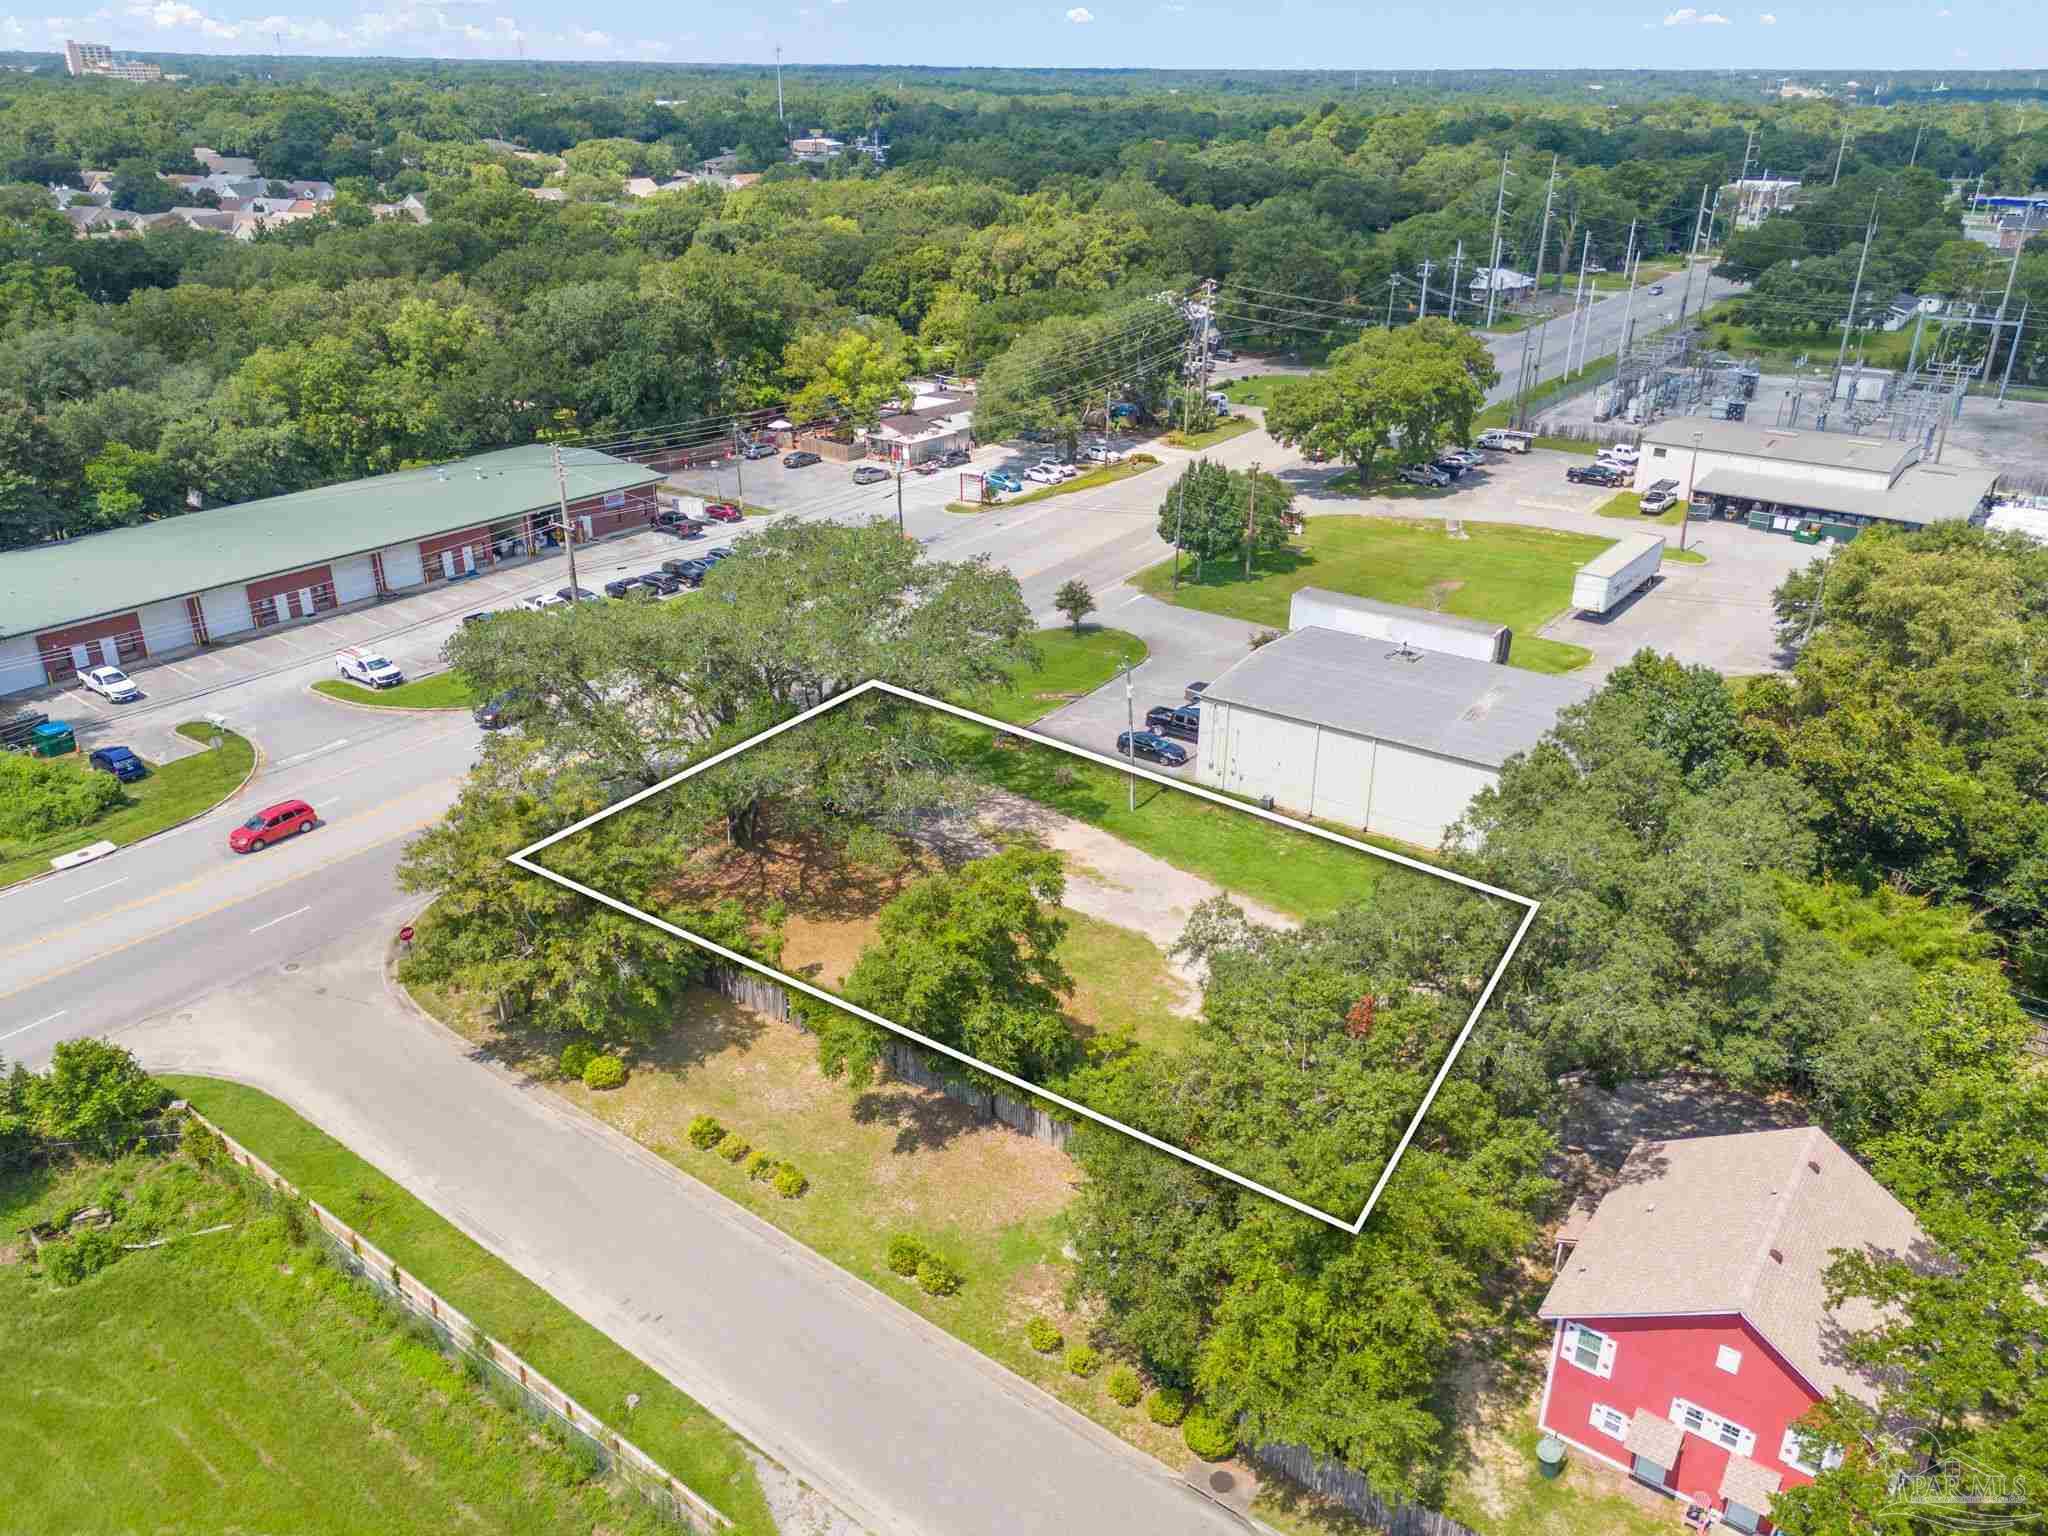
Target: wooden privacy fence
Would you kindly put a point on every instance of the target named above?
(459, 1335)
(1333, 1480)
(904, 1060)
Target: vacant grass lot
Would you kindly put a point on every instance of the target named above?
(578, 1357)
(231, 1380)
(1256, 388)
(172, 793)
(1222, 432)
(1521, 577)
(444, 690)
(1070, 666)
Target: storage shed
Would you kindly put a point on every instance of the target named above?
(1320, 608)
(1383, 736)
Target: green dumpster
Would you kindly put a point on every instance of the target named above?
(54, 739)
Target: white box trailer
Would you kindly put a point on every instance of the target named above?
(1444, 633)
(1606, 580)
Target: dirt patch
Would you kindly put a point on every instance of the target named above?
(1440, 592)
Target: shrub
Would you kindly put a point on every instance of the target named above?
(1144, 458)
(790, 1181)
(761, 1166)
(705, 1133)
(1123, 1385)
(905, 1254)
(577, 1055)
(1084, 1360)
(95, 1093)
(41, 795)
(604, 1072)
(936, 1277)
(1208, 1436)
(1043, 1335)
(735, 1147)
(86, 1254)
(1166, 1406)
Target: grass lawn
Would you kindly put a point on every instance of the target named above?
(892, 1158)
(1503, 1494)
(1521, 577)
(234, 1376)
(1292, 871)
(1222, 432)
(1108, 474)
(1256, 388)
(1122, 987)
(172, 793)
(444, 690)
(1070, 666)
(1627, 504)
(1777, 353)
(578, 1357)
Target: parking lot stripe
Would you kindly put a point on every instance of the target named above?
(276, 920)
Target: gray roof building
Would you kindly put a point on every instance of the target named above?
(58, 583)
(1743, 1225)
(1452, 706)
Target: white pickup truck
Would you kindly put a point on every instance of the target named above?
(362, 664)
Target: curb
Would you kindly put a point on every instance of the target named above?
(1023, 1393)
(256, 761)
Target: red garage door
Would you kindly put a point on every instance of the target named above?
(294, 595)
(114, 640)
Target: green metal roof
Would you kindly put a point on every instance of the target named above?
(100, 573)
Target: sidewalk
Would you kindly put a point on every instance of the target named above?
(901, 1425)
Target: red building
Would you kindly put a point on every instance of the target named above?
(1692, 1324)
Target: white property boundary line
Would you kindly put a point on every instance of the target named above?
(524, 860)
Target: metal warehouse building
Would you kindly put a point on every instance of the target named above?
(1385, 737)
(205, 577)
(1779, 479)
(1320, 608)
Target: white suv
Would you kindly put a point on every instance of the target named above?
(111, 683)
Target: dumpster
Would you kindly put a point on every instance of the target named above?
(53, 739)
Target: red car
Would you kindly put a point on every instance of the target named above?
(287, 818)
(723, 511)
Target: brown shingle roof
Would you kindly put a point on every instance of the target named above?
(1743, 1224)
(1749, 1483)
(1654, 1438)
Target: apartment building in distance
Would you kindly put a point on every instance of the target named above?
(98, 59)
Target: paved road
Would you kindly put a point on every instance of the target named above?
(911, 1430)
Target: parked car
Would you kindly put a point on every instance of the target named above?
(661, 584)
(1044, 474)
(869, 474)
(1621, 453)
(1423, 474)
(629, 586)
(576, 594)
(479, 616)
(542, 601)
(800, 458)
(1060, 467)
(274, 823)
(758, 451)
(367, 665)
(1153, 749)
(723, 511)
(713, 556)
(1002, 480)
(1662, 496)
(685, 530)
(953, 458)
(1457, 469)
(111, 683)
(926, 467)
(1193, 692)
(1596, 474)
(120, 762)
(1102, 453)
(670, 517)
(1180, 722)
(1656, 290)
(1223, 355)
(1506, 440)
(689, 572)
(494, 714)
(1464, 456)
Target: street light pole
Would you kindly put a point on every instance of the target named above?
(739, 468)
(1130, 732)
(1690, 491)
(899, 496)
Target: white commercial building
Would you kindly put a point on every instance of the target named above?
(1320, 608)
(939, 420)
(1355, 730)
(1782, 479)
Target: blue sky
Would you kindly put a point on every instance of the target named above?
(1607, 34)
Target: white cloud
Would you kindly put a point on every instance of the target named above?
(1944, 13)
(11, 26)
(1686, 16)
(1962, 53)
(590, 39)
(1080, 15)
(1767, 20)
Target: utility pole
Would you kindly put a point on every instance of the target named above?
(1692, 257)
(1457, 262)
(1998, 324)
(780, 116)
(1180, 512)
(2013, 351)
(1535, 372)
(1913, 357)
(1428, 266)
(1130, 731)
(1392, 280)
(1542, 241)
(1839, 153)
(739, 467)
(1500, 200)
(1251, 516)
(1748, 144)
(899, 496)
(1914, 159)
(1633, 265)
(568, 528)
(1579, 307)
(1856, 293)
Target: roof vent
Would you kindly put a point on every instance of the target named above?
(1777, 1256)
(1810, 1163)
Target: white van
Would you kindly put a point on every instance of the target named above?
(1505, 440)
(368, 666)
